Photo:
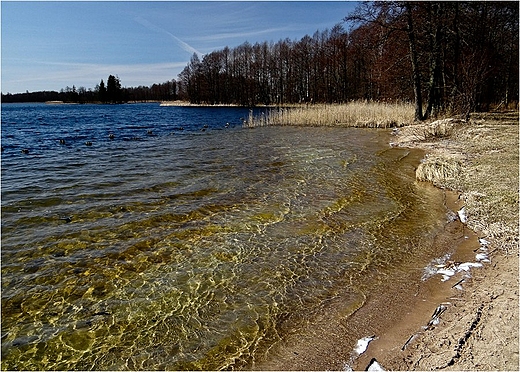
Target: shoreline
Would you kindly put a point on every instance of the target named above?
(326, 345)
(398, 341)
(477, 327)
(480, 328)
(189, 104)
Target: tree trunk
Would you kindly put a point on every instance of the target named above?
(415, 64)
(453, 104)
(434, 96)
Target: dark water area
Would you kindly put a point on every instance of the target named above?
(184, 241)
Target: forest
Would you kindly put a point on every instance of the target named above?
(446, 57)
(111, 92)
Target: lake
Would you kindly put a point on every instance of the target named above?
(145, 237)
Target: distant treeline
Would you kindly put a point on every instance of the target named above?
(112, 92)
(459, 56)
(453, 57)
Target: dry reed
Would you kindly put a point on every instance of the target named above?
(438, 170)
(354, 114)
(430, 131)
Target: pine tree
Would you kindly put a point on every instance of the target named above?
(114, 89)
(102, 92)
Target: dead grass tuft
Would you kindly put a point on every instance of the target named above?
(429, 131)
(438, 170)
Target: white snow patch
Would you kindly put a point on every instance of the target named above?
(483, 242)
(468, 265)
(446, 273)
(482, 257)
(362, 345)
(462, 215)
(375, 366)
(434, 266)
(447, 270)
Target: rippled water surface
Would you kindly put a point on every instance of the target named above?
(185, 242)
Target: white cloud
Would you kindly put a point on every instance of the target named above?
(242, 35)
(185, 46)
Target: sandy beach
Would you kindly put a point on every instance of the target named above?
(188, 104)
(467, 320)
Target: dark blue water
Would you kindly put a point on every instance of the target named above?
(40, 127)
(183, 242)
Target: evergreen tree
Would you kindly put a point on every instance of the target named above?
(102, 92)
(114, 89)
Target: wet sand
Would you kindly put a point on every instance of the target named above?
(395, 341)
(394, 312)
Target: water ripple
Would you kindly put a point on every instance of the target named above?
(191, 251)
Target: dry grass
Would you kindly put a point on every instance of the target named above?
(355, 114)
(481, 160)
(491, 182)
(438, 170)
(431, 130)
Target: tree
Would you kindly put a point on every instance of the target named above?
(102, 92)
(460, 53)
(443, 56)
(189, 80)
(114, 89)
(414, 58)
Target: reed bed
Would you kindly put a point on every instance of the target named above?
(361, 114)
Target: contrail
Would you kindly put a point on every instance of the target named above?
(188, 48)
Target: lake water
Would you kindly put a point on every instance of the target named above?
(185, 241)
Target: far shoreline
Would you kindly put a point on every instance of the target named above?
(159, 102)
(180, 103)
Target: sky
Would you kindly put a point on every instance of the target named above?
(52, 45)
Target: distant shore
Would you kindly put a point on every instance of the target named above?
(189, 104)
(61, 103)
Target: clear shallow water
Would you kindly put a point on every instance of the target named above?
(189, 249)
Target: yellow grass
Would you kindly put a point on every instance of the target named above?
(438, 170)
(354, 114)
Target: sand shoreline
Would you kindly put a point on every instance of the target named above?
(403, 341)
(480, 325)
(477, 328)
(393, 316)
(480, 329)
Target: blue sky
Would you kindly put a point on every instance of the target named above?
(51, 45)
